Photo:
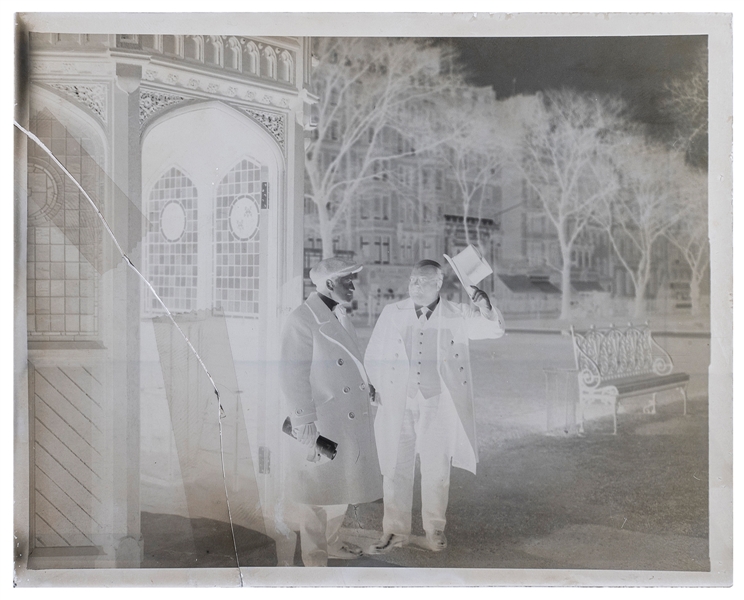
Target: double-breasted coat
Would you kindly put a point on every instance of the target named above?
(323, 380)
(387, 364)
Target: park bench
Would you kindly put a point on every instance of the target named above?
(621, 362)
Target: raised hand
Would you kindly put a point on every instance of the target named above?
(480, 299)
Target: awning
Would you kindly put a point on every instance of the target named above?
(523, 284)
(587, 286)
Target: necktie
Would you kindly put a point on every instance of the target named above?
(343, 318)
(424, 314)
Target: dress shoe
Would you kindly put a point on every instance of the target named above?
(344, 551)
(436, 540)
(387, 542)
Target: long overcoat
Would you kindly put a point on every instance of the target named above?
(387, 364)
(323, 380)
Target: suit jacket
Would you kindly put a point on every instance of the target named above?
(387, 364)
(323, 380)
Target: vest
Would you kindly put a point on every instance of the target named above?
(421, 344)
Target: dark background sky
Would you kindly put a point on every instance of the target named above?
(635, 67)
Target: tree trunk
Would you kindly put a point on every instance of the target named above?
(465, 207)
(696, 308)
(326, 231)
(566, 284)
(639, 305)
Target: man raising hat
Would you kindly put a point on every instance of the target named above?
(326, 392)
(418, 358)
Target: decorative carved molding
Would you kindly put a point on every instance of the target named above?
(272, 122)
(149, 75)
(152, 102)
(91, 95)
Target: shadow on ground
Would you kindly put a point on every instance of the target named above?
(637, 500)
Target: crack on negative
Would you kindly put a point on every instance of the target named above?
(131, 265)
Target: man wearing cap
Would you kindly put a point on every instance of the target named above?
(326, 392)
(418, 359)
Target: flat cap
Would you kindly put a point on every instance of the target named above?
(330, 268)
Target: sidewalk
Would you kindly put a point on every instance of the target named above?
(638, 500)
(541, 499)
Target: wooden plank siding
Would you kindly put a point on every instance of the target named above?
(68, 459)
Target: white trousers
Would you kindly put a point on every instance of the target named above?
(319, 526)
(428, 430)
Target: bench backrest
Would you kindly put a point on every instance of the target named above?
(618, 352)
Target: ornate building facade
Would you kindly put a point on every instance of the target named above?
(191, 148)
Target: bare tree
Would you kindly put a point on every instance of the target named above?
(690, 233)
(472, 152)
(687, 104)
(644, 209)
(566, 163)
(363, 84)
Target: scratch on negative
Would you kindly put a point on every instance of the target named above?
(128, 261)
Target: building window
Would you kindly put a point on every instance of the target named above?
(386, 208)
(380, 170)
(237, 241)
(64, 237)
(406, 249)
(439, 179)
(364, 208)
(364, 248)
(172, 243)
(381, 250)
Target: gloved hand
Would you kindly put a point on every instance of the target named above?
(480, 299)
(306, 434)
(374, 397)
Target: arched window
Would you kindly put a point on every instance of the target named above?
(213, 53)
(236, 241)
(286, 66)
(172, 44)
(251, 59)
(268, 62)
(172, 243)
(233, 54)
(64, 236)
(194, 47)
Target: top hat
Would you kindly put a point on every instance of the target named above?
(470, 267)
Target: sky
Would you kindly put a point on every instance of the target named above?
(634, 67)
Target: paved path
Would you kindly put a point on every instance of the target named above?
(638, 500)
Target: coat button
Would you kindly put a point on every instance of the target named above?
(396, 355)
(452, 342)
(340, 361)
(462, 368)
(362, 386)
(298, 411)
(351, 415)
(347, 389)
(457, 356)
(464, 383)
